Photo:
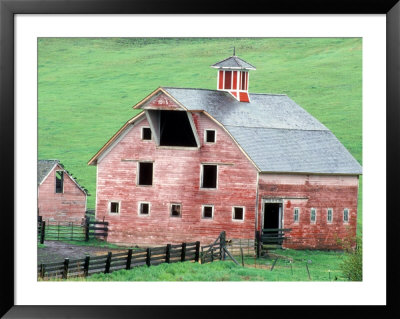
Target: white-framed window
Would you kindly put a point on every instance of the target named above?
(238, 213)
(207, 211)
(346, 215)
(209, 176)
(329, 215)
(146, 133)
(176, 210)
(145, 174)
(114, 207)
(313, 215)
(59, 182)
(210, 136)
(144, 208)
(296, 214)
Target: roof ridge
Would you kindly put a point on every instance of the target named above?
(278, 128)
(213, 90)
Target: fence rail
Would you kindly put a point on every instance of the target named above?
(125, 260)
(70, 231)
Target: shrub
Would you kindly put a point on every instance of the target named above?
(351, 266)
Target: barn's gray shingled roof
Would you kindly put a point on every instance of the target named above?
(43, 169)
(234, 62)
(277, 134)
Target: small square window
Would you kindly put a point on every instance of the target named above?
(346, 215)
(238, 213)
(175, 210)
(329, 216)
(210, 136)
(146, 133)
(313, 215)
(114, 207)
(296, 215)
(144, 208)
(208, 212)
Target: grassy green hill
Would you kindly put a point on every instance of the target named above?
(87, 87)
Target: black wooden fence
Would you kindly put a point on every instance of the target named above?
(71, 231)
(124, 260)
(270, 238)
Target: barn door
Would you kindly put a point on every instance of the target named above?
(272, 221)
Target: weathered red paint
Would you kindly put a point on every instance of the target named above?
(162, 101)
(313, 191)
(67, 206)
(176, 179)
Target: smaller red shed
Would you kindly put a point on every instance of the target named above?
(60, 197)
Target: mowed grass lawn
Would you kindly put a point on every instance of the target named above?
(87, 87)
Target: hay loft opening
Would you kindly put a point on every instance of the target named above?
(172, 128)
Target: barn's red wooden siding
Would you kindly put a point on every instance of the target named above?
(176, 179)
(67, 206)
(313, 191)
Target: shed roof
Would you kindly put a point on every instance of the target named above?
(274, 131)
(233, 62)
(44, 167)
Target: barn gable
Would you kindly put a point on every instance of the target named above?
(45, 167)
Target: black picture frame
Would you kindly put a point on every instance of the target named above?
(8, 10)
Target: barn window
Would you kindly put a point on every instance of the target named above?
(313, 215)
(346, 215)
(114, 208)
(146, 133)
(210, 136)
(329, 216)
(145, 174)
(296, 215)
(207, 211)
(176, 210)
(59, 181)
(144, 208)
(238, 213)
(209, 176)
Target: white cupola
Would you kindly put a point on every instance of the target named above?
(233, 77)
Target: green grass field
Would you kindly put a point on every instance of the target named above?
(87, 87)
(322, 266)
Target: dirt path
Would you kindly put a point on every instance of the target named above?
(55, 251)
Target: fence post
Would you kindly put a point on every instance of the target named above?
(87, 220)
(202, 255)
(42, 270)
(258, 240)
(42, 232)
(72, 230)
(148, 257)
(58, 231)
(183, 255)
(108, 263)
(222, 244)
(86, 266)
(241, 253)
(129, 259)
(212, 254)
(65, 271)
(197, 253)
(168, 254)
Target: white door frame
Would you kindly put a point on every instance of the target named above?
(272, 201)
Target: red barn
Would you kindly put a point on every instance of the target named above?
(196, 162)
(60, 197)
